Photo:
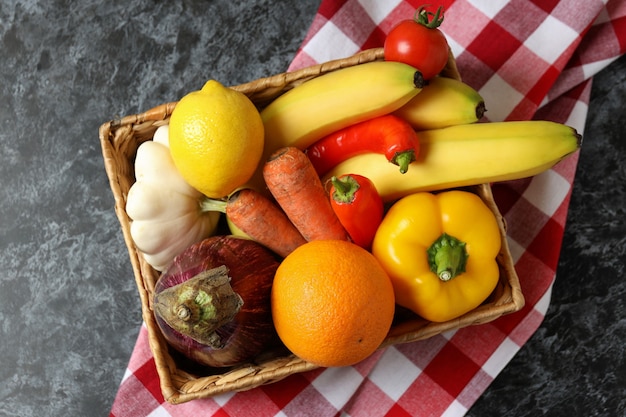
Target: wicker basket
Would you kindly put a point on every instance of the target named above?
(120, 139)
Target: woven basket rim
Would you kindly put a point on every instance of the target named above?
(119, 140)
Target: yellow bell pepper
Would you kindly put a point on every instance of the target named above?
(440, 252)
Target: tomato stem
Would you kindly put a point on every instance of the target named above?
(422, 17)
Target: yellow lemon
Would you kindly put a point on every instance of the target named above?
(216, 139)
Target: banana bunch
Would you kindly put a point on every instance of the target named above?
(454, 150)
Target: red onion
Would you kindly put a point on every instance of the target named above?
(212, 303)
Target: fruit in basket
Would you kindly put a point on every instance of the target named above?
(443, 102)
(440, 252)
(419, 43)
(216, 138)
(469, 154)
(212, 303)
(389, 135)
(332, 303)
(167, 214)
(337, 99)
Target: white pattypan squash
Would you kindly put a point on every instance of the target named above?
(168, 215)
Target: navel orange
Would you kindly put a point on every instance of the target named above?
(332, 303)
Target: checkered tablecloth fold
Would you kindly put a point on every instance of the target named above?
(528, 59)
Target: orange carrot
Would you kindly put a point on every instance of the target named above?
(294, 183)
(263, 221)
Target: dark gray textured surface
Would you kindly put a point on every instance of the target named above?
(69, 310)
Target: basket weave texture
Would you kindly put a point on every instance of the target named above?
(120, 139)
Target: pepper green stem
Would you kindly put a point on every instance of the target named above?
(403, 159)
(345, 189)
(447, 257)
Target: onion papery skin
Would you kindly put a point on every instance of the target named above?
(252, 268)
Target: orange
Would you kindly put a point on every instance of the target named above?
(332, 303)
(216, 139)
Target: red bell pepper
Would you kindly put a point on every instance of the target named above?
(358, 206)
(389, 135)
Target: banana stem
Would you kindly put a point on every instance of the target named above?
(418, 79)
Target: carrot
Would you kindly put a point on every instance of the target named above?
(263, 221)
(294, 183)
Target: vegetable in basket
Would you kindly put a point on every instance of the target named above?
(292, 180)
(358, 206)
(254, 215)
(440, 252)
(213, 304)
(167, 214)
(389, 135)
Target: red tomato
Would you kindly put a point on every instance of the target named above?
(419, 43)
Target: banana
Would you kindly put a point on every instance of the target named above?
(443, 102)
(466, 155)
(337, 99)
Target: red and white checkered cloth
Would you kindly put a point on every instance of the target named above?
(528, 59)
